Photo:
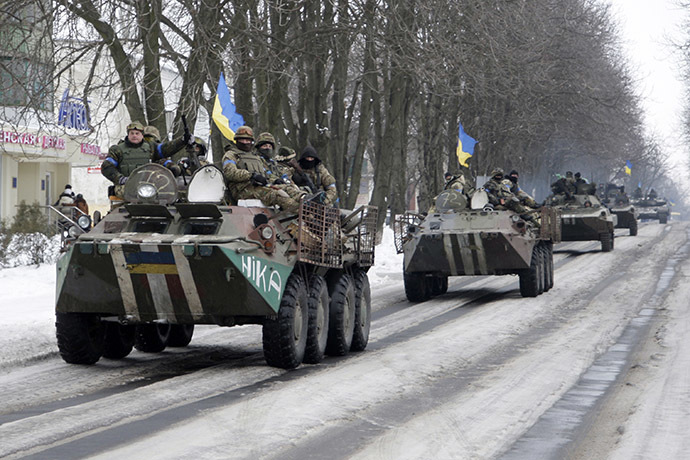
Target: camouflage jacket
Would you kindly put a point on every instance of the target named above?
(323, 180)
(125, 157)
(238, 167)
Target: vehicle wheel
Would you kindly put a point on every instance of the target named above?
(79, 337)
(152, 337)
(607, 242)
(438, 285)
(317, 331)
(529, 278)
(96, 217)
(180, 335)
(416, 287)
(633, 228)
(285, 337)
(360, 334)
(663, 219)
(542, 268)
(341, 322)
(119, 340)
(549, 265)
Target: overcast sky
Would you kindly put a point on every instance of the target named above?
(647, 29)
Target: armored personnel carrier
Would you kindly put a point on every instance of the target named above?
(615, 198)
(585, 218)
(460, 238)
(653, 209)
(155, 267)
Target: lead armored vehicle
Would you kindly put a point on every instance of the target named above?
(155, 267)
(461, 238)
(615, 198)
(585, 218)
(654, 209)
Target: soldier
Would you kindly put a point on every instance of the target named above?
(279, 175)
(246, 174)
(313, 167)
(582, 185)
(454, 182)
(564, 188)
(524, 197)
(501, 197)
(151, 134)
(134, 151)
(197, 148)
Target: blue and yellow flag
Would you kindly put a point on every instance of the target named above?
(224, 112)
(628, 168)
(465, 148)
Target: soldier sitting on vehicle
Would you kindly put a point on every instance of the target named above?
(246, 175)
(501, 197)
(312, 166)
(134, 151)
(279, 174)
(524, 197)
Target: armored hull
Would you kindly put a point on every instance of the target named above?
(586, 219)
(654, 210)
(155, 266)
(626, 216)
(475, 242)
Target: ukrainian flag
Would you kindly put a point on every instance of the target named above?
(465, 148)
(628, 168)
(224, 112)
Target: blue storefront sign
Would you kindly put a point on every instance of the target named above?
(73, 113)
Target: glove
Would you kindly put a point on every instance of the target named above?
(299, 179)
(122, 180)
(184, 163)
(258, 179)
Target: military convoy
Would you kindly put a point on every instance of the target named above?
(585, 218)
(156, 266)
(471, 238)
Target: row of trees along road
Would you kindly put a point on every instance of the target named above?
(541, 84)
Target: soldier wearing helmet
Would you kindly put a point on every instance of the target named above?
(247, 175)
(184, 157)
(134, 151)
(279, 174)
(500, 195)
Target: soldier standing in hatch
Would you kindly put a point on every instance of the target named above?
(313, 167)
(134, 151)
(246, 174)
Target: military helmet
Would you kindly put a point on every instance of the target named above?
(152, 131)
(497, 172)
(135, 125)
(286, 154)
(203, 147)
(265, 138)
(568, 174)
(244, 132)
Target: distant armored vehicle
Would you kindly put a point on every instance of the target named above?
(461, 238)
(584, 218)
(156, 266)
(653, 209)
(615, 198)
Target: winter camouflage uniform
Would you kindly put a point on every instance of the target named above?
(239, 168)
(500, 195)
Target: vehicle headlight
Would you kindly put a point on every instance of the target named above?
(73, 231)
(146, 191)
(84, 222)
(267, 233)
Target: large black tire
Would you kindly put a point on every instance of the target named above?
(417, 288)
(317, 331)
(438, 284)
(180, 335)
(633, 227)
(341, 323)
(79, 337)
(663, 219)
(152, 337)
(360, 334)
(119, 340)
(548, 248)
(542, 268)
(606, 242)
(529, 278)
(285, 337)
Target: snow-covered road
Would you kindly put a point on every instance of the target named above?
(471, 374)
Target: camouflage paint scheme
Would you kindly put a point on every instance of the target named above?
(167, 273)
(580, 223)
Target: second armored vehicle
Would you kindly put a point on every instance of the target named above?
(654, 209)
(615, 198)
(584, 218)
(462, 238)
